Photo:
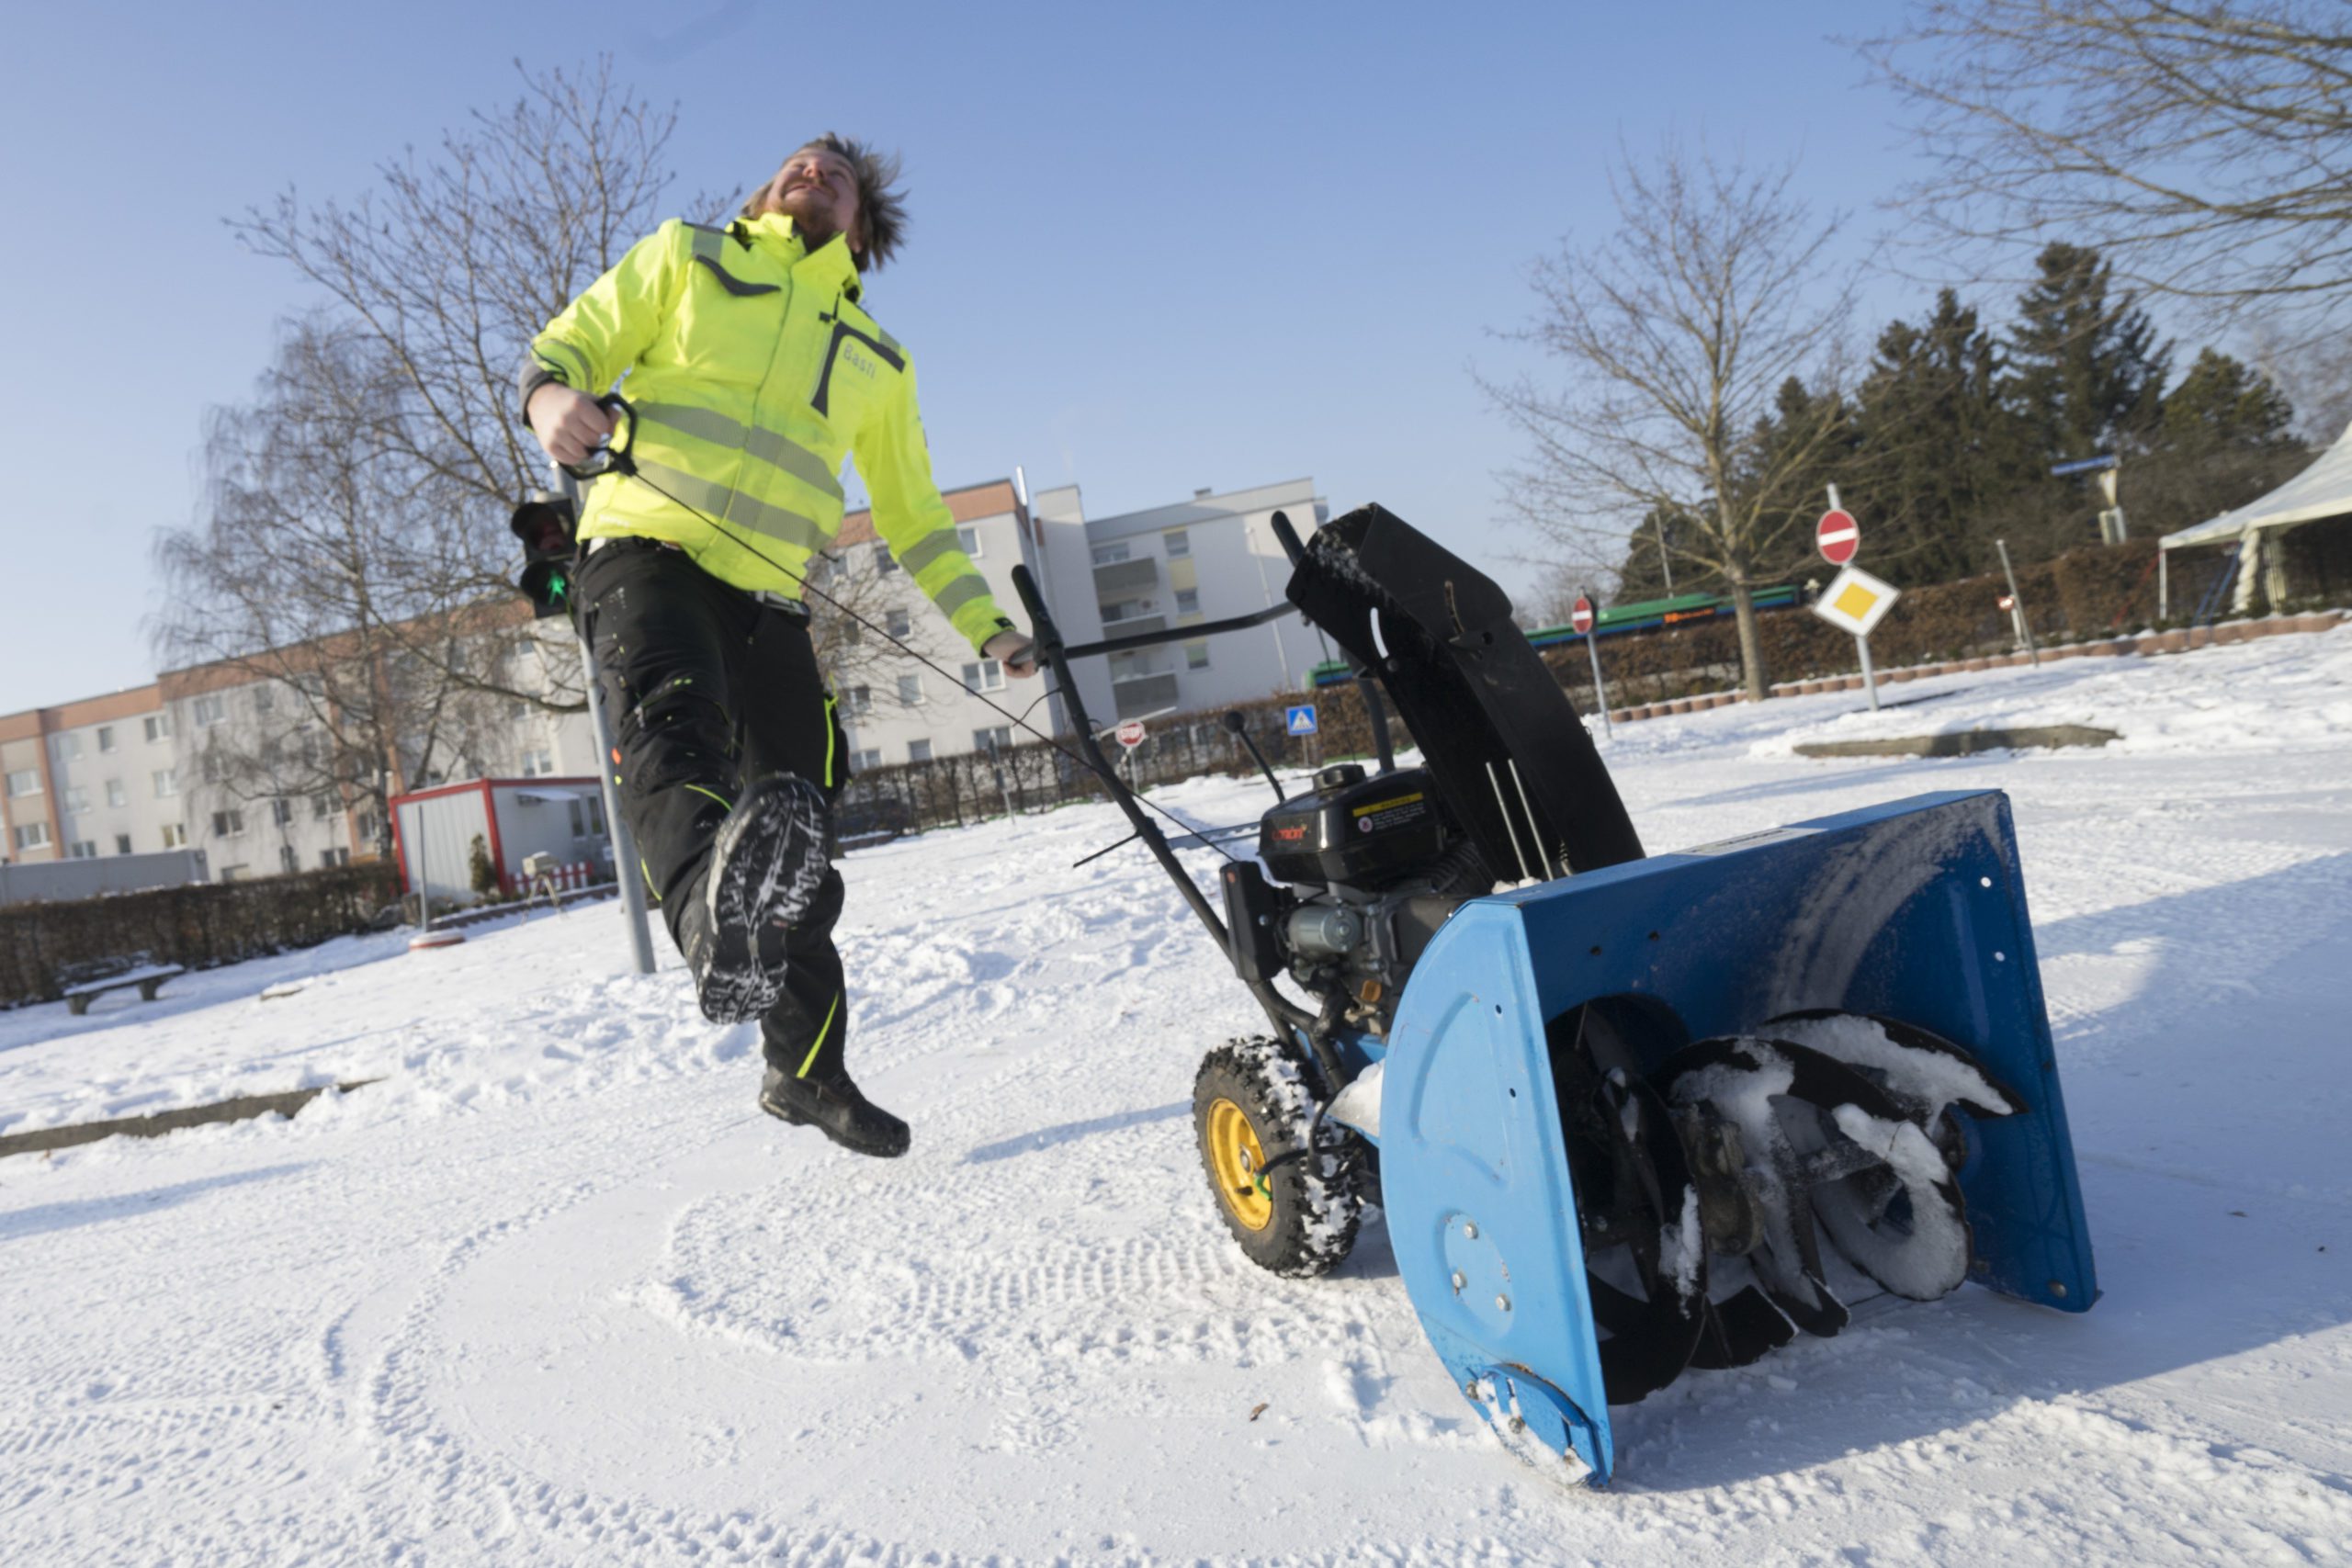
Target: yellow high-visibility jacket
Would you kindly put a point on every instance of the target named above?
(753, 371)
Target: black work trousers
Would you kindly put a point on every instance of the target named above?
(708, 689)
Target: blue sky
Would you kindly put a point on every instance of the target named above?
(1153, 248)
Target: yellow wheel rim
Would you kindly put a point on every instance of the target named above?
(1239, 1161)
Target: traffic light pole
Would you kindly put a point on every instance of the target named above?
(625, 863)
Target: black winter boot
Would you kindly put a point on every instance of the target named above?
(835, 1107)
(767, 867)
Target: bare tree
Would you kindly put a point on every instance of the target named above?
(2206, 146)
(1679, 332)
(313, 576)
(854, 602)
(445, 273)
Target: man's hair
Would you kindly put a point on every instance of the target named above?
(881, 210)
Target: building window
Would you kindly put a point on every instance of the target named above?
(264, 700)
(83, 849)
(1196, 655)
(917, 751)
(175, 835)
(865, 762)
(967, 539)
(987, 675)
(77, 798)
(122, 843)
(1178, 543)
(106, 739)
(287, 858)
(909, 689)
(860, 700)
(898, 622)
(1107, 555)
(328, 858)
(323, 805)
(32, 836)
(538, 763)
(159, 727)
(207, 712)
(168, 782)
(228, 824)
(1188, 600)
(884, 563)
(281, 812)
(998, 736)
(24, 781)
(69, 746)
(116, 795)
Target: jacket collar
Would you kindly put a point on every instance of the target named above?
(829, 265)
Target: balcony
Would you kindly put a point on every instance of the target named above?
(1130, 626)
(1126, 579)
(1140, 694)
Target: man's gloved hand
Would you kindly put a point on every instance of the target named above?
(1014, 650)
(568, 425)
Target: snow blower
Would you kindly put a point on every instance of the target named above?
(1626, 1114)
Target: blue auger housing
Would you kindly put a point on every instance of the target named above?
(1913, 910)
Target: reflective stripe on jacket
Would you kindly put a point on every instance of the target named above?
(754, 372)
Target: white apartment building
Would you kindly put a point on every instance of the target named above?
(96, 777)
(150, 769)
(1211, 557)
(892, 708)
(142, 770)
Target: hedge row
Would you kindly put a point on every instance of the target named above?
(2082, 595)
(950, 791)
(197, 925)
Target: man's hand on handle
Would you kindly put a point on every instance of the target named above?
(568, 425)
(1014, 650)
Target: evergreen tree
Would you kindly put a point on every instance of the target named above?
(1811, 442)
(1643, 576)
(2223, 406)
(2088, 371)
(2224, 439)
(1941, 448)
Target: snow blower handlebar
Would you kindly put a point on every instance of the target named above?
(1056, 656)
(613, 456)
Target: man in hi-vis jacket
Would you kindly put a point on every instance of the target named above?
(753, 369)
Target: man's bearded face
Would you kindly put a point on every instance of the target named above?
(818, 190)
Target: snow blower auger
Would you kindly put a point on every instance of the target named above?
(1631, 1113)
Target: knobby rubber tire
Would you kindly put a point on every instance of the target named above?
(1317, 1199)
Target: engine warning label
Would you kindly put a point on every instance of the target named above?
(1382, 815)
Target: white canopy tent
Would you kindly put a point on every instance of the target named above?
(2322, 490)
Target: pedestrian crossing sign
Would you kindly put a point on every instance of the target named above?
(1855, 601)
(1299, 720)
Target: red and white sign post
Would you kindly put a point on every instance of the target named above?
(1582, 616)
(1129, 734)
(1839, 538)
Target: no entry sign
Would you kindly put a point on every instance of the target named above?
(1130, 733)
(1837, 537)
(1580, 614)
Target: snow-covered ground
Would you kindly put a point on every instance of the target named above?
(553, 1292)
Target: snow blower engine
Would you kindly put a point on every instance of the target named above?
(1626, 1114)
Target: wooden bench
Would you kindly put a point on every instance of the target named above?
(148, 979)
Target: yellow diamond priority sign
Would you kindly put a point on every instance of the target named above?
(1855, 601)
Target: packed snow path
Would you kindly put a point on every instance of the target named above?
(554, 1292)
